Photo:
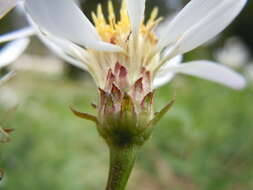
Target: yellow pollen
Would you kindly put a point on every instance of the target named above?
(117, 32)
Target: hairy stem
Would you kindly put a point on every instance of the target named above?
(122, 160)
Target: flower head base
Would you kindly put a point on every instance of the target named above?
(124, 109)
(125, 112)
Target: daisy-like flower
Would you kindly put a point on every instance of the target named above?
(125, 56)
(128, 60)
(66, 30)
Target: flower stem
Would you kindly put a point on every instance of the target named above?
(122, 160)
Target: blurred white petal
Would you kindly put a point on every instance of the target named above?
(234, 54)
(248, 71)
(136, 9)
(163, 76)
(6, 6)
(200, 21)
(210, 71)
(60, 47)
(7, 77)
(161, 28)
(12, 51)
(63, 18)
(17, 34)
(191, 14)
(212, 25)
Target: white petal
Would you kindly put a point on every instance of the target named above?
(65, 49)
(136, 9)
(212, 25)
(63, 18)
(192, 13)
(211, 71)
(163, 76)
(6, 77)
(6, 6)
(22, 33)
(200, 21)
(161, 29)
(61, 48)
(12, 51)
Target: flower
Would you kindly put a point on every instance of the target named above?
(63, 27)
(125, 56)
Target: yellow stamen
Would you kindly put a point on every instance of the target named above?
(112, 17)
(117, 32)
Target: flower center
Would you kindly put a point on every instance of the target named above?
(138, 48)
(118, 32)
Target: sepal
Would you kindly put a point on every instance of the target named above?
(160, 115)
(4, 135)
(86, 116)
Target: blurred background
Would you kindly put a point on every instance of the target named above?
(204, 143)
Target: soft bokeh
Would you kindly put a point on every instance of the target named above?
(205, 141)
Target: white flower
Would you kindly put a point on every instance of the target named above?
(133, 43)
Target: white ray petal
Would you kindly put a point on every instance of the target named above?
(65, 49)
(12, 51)
(200, 20)
(136, 9)
(6, 6)
(210, 26)
(63, 18)
(163, 76)
(7, 77)
(210, 71)
(17, 34)
(62, 49)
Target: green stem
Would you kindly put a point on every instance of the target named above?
(122, 160)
